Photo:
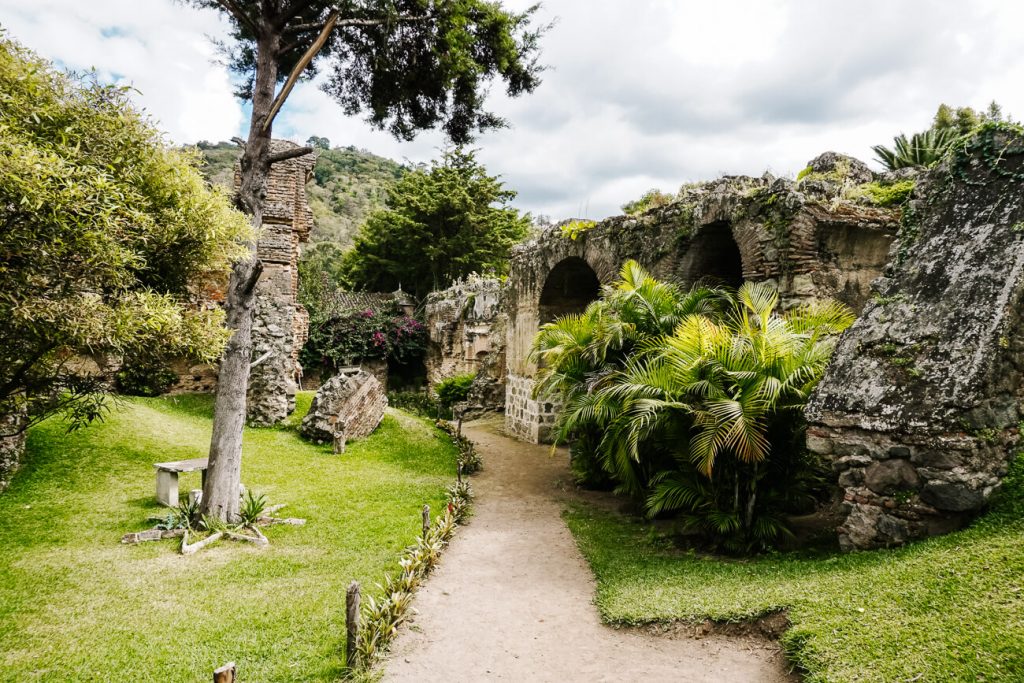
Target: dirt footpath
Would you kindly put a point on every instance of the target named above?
(511, 599)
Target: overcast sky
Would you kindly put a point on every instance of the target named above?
(639, 93)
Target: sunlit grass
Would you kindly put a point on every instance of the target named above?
(76, 605)
(947, 609)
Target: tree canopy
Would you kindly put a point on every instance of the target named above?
(440, 224)
(105, 230)
(408, 64)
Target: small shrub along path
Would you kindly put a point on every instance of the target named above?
(513, 597)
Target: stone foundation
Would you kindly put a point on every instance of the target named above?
(527, 418)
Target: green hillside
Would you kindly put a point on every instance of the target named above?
(348, 184)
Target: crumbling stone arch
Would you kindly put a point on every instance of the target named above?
(568, 288)
(779, 230)
(712, 256)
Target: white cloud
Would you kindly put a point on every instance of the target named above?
(639, 94)
(158, 47)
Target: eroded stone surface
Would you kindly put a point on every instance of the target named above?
(349, 405)
(466, 323)
(925, 388)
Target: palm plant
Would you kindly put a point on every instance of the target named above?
(694, 399)
(577, 351)
(922, 149)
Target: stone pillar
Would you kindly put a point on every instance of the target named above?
(279, 321)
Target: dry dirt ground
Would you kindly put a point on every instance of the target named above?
(512, 597)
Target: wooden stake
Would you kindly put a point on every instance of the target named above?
(426, 521)
(225, 674)
(351, 623)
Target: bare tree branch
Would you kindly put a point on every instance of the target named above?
(300, 66)
(238, 13)
(286, 154)
(238, 141)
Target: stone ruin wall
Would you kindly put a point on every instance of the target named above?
(807, 237)
(920, 409)
(466, 323)
(280, 323)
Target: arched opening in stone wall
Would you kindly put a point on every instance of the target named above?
(713, 256)
(569, 287)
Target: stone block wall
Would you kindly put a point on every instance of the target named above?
(920, 409)
(527, 418)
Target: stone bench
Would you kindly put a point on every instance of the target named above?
(167, 478)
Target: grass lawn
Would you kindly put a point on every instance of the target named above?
(946, 609)
(76, 605)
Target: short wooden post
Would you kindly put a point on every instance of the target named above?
(351, 624)
(426, 520)
(458, 473)
(225, 674)
(458, 425)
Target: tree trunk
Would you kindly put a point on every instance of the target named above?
(223, 477)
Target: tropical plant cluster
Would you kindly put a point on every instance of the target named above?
(381, 617)
(690, 401)
(926, 148)
(454, 389)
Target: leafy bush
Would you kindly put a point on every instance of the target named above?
(418, 402)
(887, 194)
(141, 376)
(348, 337)
(691, 401)
(454, 389)
(651, 199)
(106, 230)
(252, 508)
(574, 228)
